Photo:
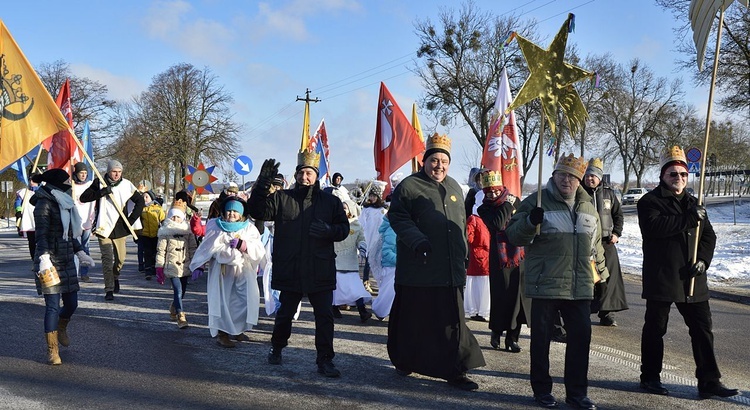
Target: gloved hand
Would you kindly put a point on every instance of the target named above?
(698, 268)
(197, 273)
(700, 212)
(238, 244)
(44, 263)
(362, 249)
(105, 191)
(268, 170)
(422, 250)
(536, 216)
(320, 229)
(85, 260)
(18, 214)
(160, 275)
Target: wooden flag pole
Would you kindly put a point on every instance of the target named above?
(691, 291)
(541, 166)
(102, 183)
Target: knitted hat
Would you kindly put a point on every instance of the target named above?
(79, 166)
(55, 177)
(113, 164)
(672, 156)
(278, 180)
(336, 174)
(377, 188)
(234, 204)
(596, 167)
(307, 159)
(233, 188)
(178, 209)
(144, 183)
(571, 165)
(437, 143)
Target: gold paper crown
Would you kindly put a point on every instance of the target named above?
(597, 163)
(180, 204)
(491, 178)
(572, 165)
(308, 159)
(437, 141)
(674, 153)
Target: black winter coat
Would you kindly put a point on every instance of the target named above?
(49, 240)
(301, 263)
(668, 229)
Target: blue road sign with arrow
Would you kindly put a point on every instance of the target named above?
(243, 165)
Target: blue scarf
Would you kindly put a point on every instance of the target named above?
(230, 226)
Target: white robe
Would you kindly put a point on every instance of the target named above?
(232, 288)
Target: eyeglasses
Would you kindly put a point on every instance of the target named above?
(565, 175)
(674, 174)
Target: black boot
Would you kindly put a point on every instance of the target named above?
(336, 312)
(495, 340)
(364, 315)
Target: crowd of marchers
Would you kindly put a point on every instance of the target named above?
(548, 261)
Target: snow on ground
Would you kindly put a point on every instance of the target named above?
(731, 263)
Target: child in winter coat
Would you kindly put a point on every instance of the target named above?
(349, 288)
(176, 246)
(384, 250)
(151, 218)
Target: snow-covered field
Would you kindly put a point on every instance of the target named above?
(731, 263)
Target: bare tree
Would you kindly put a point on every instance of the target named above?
(88, 99)
(733, 75)
(635, 116)
(186, 112)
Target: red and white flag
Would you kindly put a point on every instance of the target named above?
(502, 149)
(61, 146)
(396, 140)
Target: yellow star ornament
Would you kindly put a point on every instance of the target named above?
(551, 80)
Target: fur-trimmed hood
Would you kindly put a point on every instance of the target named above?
(171, 228)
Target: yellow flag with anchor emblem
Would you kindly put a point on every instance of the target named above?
(28, 114)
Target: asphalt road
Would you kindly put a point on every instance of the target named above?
(127, 354)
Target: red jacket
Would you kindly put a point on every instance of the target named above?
(479, 247)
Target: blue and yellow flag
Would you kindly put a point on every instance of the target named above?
(28, 113)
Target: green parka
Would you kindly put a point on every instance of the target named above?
(558, 260)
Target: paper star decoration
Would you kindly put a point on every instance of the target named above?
(551, 80)
(200, 178)
(702, 14)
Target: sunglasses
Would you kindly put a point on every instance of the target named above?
(674, 174)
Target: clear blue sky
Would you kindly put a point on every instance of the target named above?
(267, 53)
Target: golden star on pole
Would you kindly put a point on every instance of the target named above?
(551, 80)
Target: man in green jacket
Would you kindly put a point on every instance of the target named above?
(427, 332)
(563, 261)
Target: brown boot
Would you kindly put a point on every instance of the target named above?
(224, 341)
(172, 313)
(53, 354)
(62, 332)
(182, 320)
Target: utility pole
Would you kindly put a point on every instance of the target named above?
(306, 122)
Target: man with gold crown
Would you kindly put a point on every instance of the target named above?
(563, 261)
(668, 217)
(427, 332)
(307, 221)
(609, 295)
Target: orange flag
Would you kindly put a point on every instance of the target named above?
(396, 141)
(28, 114)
